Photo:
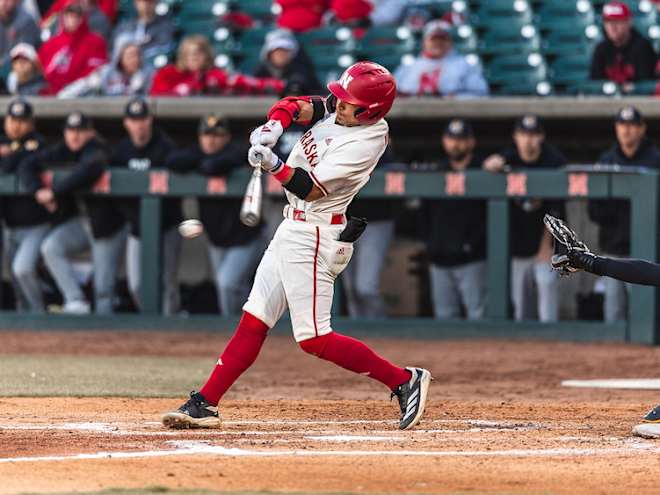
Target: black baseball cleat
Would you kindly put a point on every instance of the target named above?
(196, 413)
(653, 416)
(412, 397)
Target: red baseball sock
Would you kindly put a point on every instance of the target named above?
(354, 355)
(240, 353)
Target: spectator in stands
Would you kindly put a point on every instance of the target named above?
(74, 52)
(531, 245)
(632, 148)
(194, 75)
(86, 159)
(16, 26)
(126, 75)
(146, 147)
(154, 33)
(283, 58)
(353, 13)
(234, 249)
(456, 234)
(301, 15)
(624, 55)
(26, 221)
(108, 7)
(98, 22)
(440, 70)
(362, 276)
(25, 78)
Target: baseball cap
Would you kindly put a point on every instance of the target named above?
(629, 115)
(458, 128)
(20, 109)
(213, 124)
(616, 11)
(528, 123)
(436, 28)
(23, 50)
(78, 120)
(137, 108)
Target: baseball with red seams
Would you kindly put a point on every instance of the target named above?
(191, 228)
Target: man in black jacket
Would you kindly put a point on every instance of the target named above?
(146, 147)
(531, 245)
(633, 148)
(456, 235)
(624, 55)
(234, 249)
(87, 159)
(26, 221)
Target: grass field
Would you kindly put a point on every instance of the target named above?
(80, 414)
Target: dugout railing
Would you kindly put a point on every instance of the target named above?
(641, 188)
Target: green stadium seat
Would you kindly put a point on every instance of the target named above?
(262, 10)
(514, 69)
(248, 64)
(525, 88)
(593, 88)
(335, 39)
(550, 22)
(570, 69)
(384, 40)
(203, 9)
(642, 88)
(524, 40)
(465, 39)
(563, 42)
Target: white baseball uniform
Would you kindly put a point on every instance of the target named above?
(304, 257)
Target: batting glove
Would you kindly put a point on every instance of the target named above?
(262, 156)
(267, 134)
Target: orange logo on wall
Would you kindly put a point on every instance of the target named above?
(516, 184)
(455, 184)
(216, 185)
(159, 182)
(395, 183)
(578, 184)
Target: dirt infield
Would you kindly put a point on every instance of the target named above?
(498, 422)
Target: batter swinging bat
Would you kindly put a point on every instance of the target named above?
(251, 208)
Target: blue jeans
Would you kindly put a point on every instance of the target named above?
(232, 273)
(22, 245)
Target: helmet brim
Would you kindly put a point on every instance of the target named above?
(343, 95)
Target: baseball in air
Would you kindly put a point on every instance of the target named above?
(191, 228)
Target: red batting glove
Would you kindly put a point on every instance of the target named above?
(287, 110)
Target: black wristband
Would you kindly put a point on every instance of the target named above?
(300, 183)
(319, 109)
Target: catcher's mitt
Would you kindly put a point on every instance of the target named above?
(567, 246)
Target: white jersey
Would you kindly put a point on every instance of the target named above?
(339, 160)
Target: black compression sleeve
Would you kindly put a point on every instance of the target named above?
(300, 183)
(628, 270)
(319, 109)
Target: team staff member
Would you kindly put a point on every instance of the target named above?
(313, 244)
(632, 148)
(233, 248)
(85, 158)
(456, 235)
(146, 147)
(26, 221)
(531, 245)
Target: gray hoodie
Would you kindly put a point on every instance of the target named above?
(20, 27)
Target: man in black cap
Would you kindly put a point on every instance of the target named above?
(146, 147)
(633, 148)
(85, 158)
(456, 234)
(234, 249)
(531, 245)
(26, 221)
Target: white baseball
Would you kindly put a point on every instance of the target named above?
(191, 228)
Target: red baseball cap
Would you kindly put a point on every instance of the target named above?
(616, 11)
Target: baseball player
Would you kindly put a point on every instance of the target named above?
(573, 255)
(325, 170)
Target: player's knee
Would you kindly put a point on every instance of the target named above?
(316, 345)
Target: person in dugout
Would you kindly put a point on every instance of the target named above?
(84, 158)
(26, 221)
(234, 248)
(146, 147)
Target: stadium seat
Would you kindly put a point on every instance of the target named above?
(524, 40)
(593, 88)
(508, 70)
(642, 88)
(525, 88)
(384, 40)
(503, 9)
(261, 10)
(203, 9)
(465, 39)
(550, 22)
(335, 39)
(571, 41)
(570, 69)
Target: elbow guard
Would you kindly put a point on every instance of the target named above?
(300, 183)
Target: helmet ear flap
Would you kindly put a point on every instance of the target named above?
(331, 103)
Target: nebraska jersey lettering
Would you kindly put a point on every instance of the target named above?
(339, 160)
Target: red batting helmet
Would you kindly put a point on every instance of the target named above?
(369, 86)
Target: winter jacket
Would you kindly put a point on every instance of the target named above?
(70, 56)
(170, 81)
(299, 74)
(351, 10)
(219, 216)
(19, 28)
(150, 157)
(301, 15)
(155, 38)
(85, 168)
(22, 211)
(635, 61)
(34, 87)
(450, 75)
(613, 215)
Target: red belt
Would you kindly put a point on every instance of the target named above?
(336, 219)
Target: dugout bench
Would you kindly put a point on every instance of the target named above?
(642, 189)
